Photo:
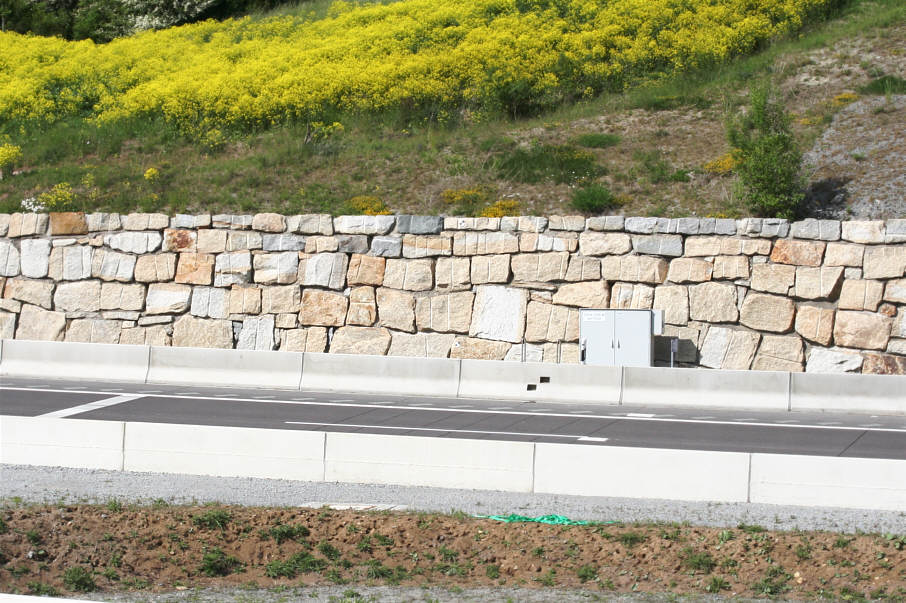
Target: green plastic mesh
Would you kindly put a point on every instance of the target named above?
(556, 520)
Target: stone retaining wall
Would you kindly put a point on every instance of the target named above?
(739, 294)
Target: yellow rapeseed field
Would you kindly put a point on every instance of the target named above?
(426, 58)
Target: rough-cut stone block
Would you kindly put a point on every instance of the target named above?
(499, 313)
(9, 259)
(7, 325)
(737, 246)
(281, 300)
(81, 296)
(116, 296)
(190, 221)
(629, 296)
(895, 291)
(39, 293)
(547, 322)
(156, 268)
(634, 268)
(4, 224)
(396, 309)
(843, 254)
(452, 274)
(478, 349)
(729, 267)
(134, 242)
(113, 266)
(674, 301)
(604, 243)
(863, 231)
(688, 226)
(411, 275)
(68, 263)
(362, 307)
(244, 240)
(606, 223)
(526, 223)
(815, 323)
(68, 223)
(539, 267)
(257, 333)
(387, 247)
(573, 223)
(883, 364)
(288, 321)
(833, 360)
(245, 299)
(34, 257)
(825, 230)
(269, 223)
(283, 268)
(445, 313)
(884, 262)
(702, 246)
(352, 243)
(26, 225)
(93, 330)
(583, 269)
(532, 241)
(857, 294)
(231, 221)
(798, 253)
(421, 345)
(419, 225)
(364, 225)
(321, 244)
(167, 298)
(373, 341)
(142, 221)
(689, 270)
(490, 269)
(155, 320)
(767, 313)
(424, 246)
(191, 332)
(895, 231)
(314, 224)
(210, 240)
(323, 308)
(195, 268)
(324, 270)
(282, 242)
(457, 223)
(589, 294)
(729, 349)
(818, 283)
(779, 353)
(713, 302)
(484, 243)
(862, 330)
(312, 339)
(640, 225)
(38, 324)
(659, 244)
(180, 240)
(209, 302)
(10, 305)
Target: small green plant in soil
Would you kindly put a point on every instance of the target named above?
(586, 573)
(561, 164)
(492, 571)
(717, 584)
(595, 140)
(41, 589)
(79, 579)
(282, 533)
(698, 561)
(213, 519)
(594, 199)
(329, 551)
(217, 563)
(630, 539)
(886, 85)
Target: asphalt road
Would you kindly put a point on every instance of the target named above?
(821, 434)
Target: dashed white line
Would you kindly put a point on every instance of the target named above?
(640, 415)
(592, 439)
(76, 410)
(438, 430)
(500, 408)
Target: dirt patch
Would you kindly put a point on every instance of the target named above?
(161, 548)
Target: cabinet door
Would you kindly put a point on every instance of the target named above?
(597, 336)
(632, 338)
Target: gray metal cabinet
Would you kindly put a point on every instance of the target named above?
(618, 337)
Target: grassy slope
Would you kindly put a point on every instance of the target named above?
(665, 128)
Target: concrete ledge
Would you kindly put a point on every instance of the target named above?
(763, 390)
(853, 393)
(438, 462)
(65, 360)
(224, 451)
(83, 444)
(540, 381)
(828, 481)
(381, 374)
(242, 368)
(641, 472)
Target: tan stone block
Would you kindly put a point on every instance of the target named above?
(211, 240)
(323, 308)
(729, 349)
(479, 349)
(312, 339)
(245, 299)
(674, 301)
(425, 246)
(843, 254)
(421, 345)
(24, 225)
(452, 274)
(285, 321)
(818, 283)
(396, 309)
(269, 223)
(144, 221)
(863, 231)
(195, 268)
(713, 302)
(484, 243)
(68, 223)
(780, 353)
(39, 293)
(767, 313)
(38, 324)
(93, 330)
(745, 247)
(564, 353)
(730, 267)
(798, 253)
(862, 330)
(630, 296)
(156, 336)
(547, 322)
(539, 267)
(373, 341)
(279, 300)
(604, 243)
(362, 307)
(177, 239)
(321, 244)
(155, 268)
(445, 313)
(689, 270)
(773, 278)
(588, 294)
(884, 364)
(490, 269)
(116, 296)
(702, 246)
(530, 241)
(192, 332)
(243, 240)
(365, 270)
(583, 269)
(860, 295)
(815, 323)
(411, 275)
(634, 268)
(80, 296)
(884, 262)
(895, 291)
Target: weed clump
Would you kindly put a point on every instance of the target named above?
(595, 140)
(561, 164)
(213, 519)
(79, 579)
(594, 199)
(217, 563)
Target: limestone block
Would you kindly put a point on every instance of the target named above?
(589, 294)
(531, 241)
(825, 230)
(779, 353)
(366, 270)
(195, 268)
(167, 298)
(547, 322)
(484, 243)
(4, 224)
(396, 309)
(314, 224)
(629, 296)
(26, 225)
(68, 223)
(606, 223)
(895, 291)
(424, 246)
(324, 270)
(321, 244)
(815, 323)
(352, 243)
(286, 320)
(490, 269)
(674, 301)
(155, 320)
(883, 364)
(721, 226)
(38, 324)
(604, 243)
(452, 274)
(689, 270)
(134, 242)
(765, 227)
(833, 360)
(312, 339)
(155, 268)
(180, 240)
(38, 293)
(634, 268)
(34, 257)
(269, 223)
(499, 313)
(257, 333)
(68, 263)
(7, 325)
(457, 223)
(81, 296)
(445, 313)
(210, 302)
(143, 221)
(387, 247)
(10, 305)
(798, 253)
(211, 240)
(420, 225)
(688, 226)
(539, 267)
(94, 330)
(117, 296)
(525, 223)
(423, 345)
(411, 275)
(244, 240)
(232, 222)
(283, 268)
(190, 221)
(884, 262)
(232, 268)
(896, 346)
(106, 222)
(362, 307)
(729, 349)
(713, 302)
(114, 266)
(564, 353)
(9, 259)
(277, 300)
(282, 242)
(479, 349)
(156, 336)
(863, 231)
(843, 254)
(640, 225)
(862, 330)
(767, 313)
(323, 308)
(818, 283)
(373, 341)
(364, 225)
(191, 332)
(245, 299)
(533, 353)
(857, 294)
(773, 278)
(573, 223)
(737, 246)
(729, 267)
(583, 269)
(669, 245)
(703, 246)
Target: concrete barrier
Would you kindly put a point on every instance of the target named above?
(224, 451)
(65, 360)
(763, 390)
(82, 443)
(419, 461)
(828, 481)
(241, 368)
(641, 472)
(852, 393)
(540, 381)
(381, 374)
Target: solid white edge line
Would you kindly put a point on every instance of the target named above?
(436, 429)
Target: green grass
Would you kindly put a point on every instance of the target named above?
(217, 563)
(214, 519)
(886, 84)
(78, 579)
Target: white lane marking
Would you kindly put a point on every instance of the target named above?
(72, 388)
(501, 408)
(704, 418)
(436, 430)
(828, 423)
(466, 408)
(641, 415)
(76, 410)
(418, 405)
(591, 439)
(157, 391)
(787, 421)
